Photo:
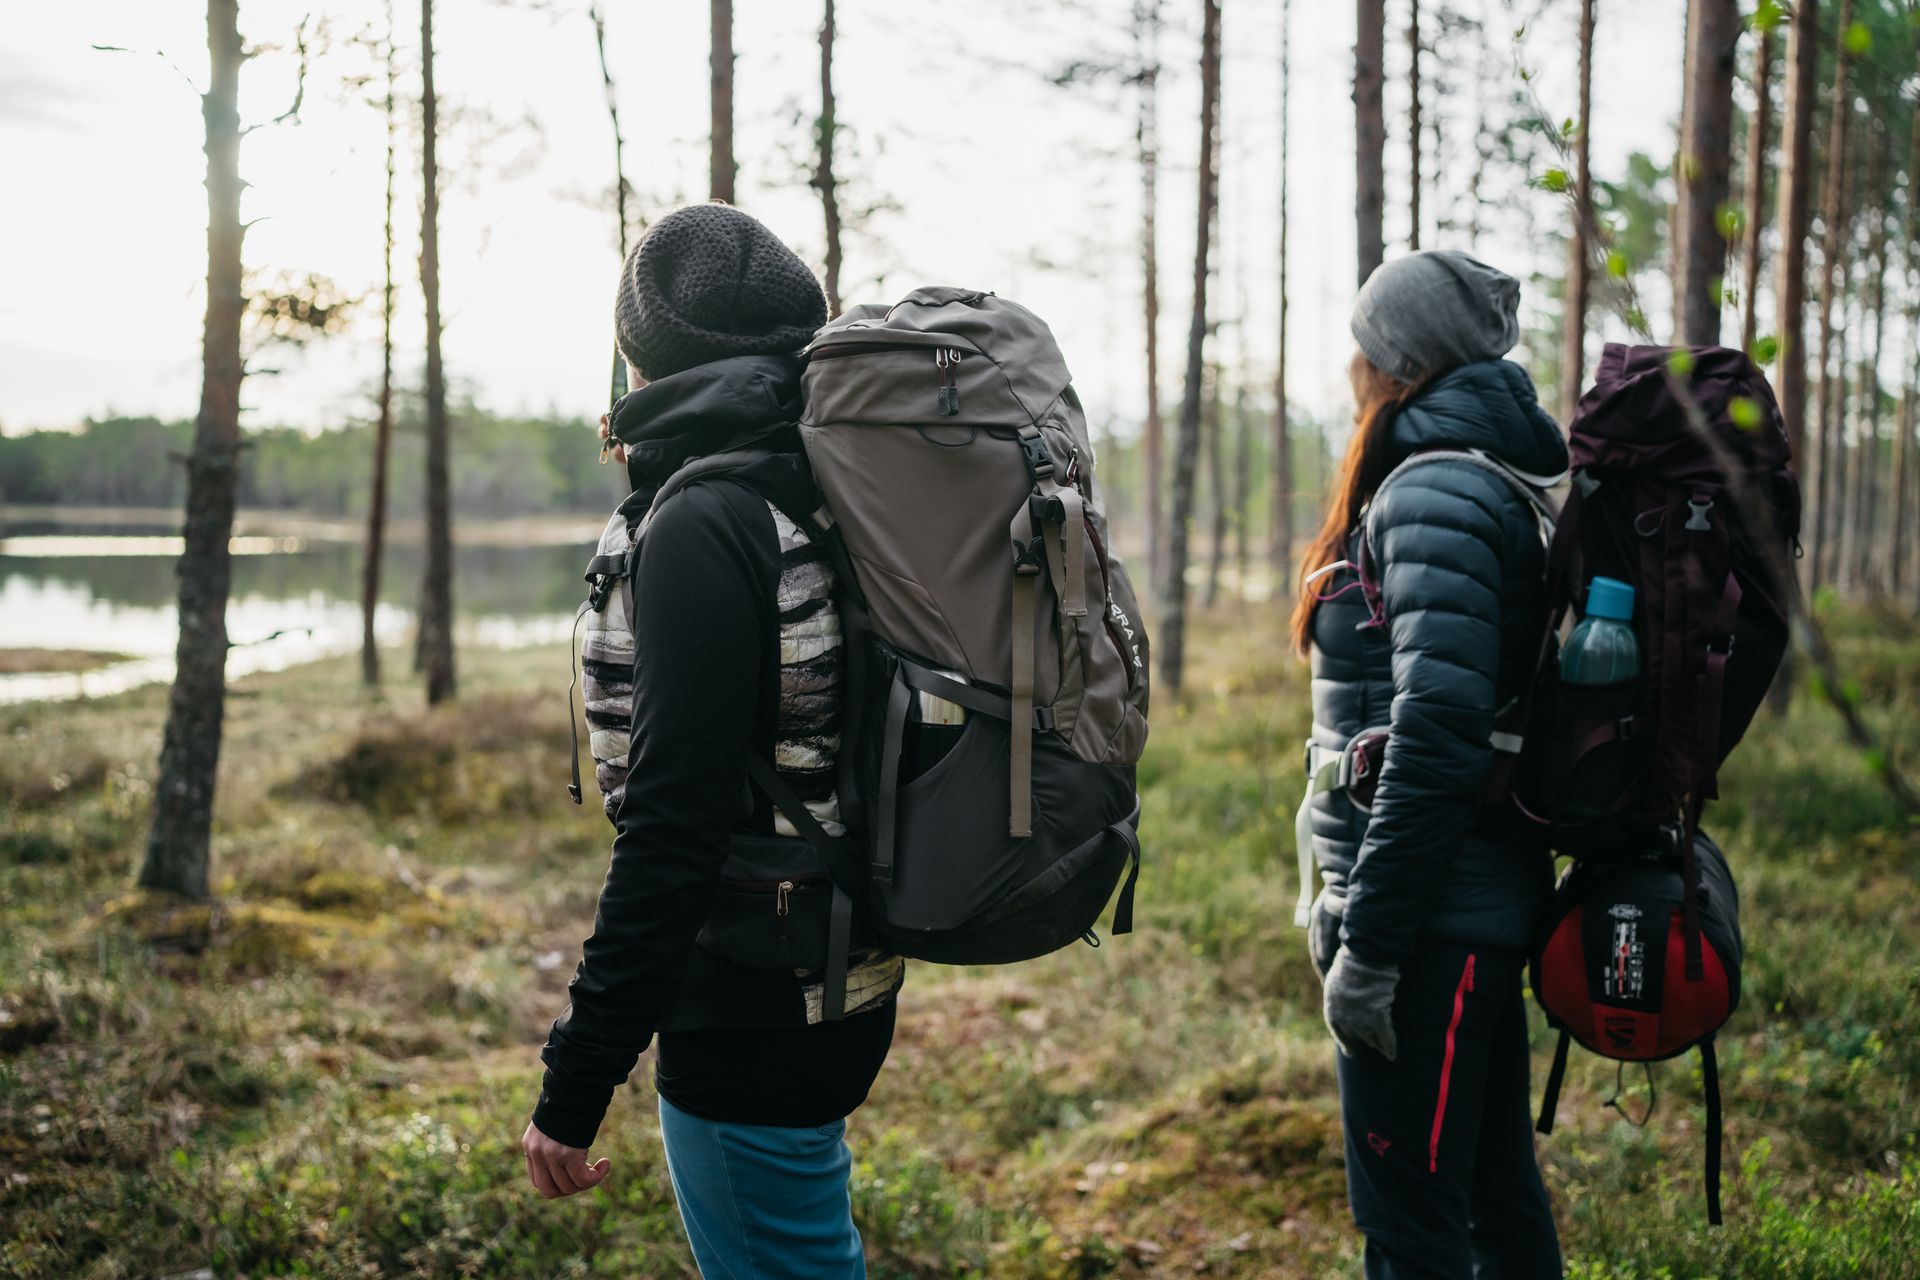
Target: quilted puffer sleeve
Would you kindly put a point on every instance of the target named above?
(1436, 534)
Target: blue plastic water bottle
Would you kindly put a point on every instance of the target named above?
(1603, 648)
(1597, 669)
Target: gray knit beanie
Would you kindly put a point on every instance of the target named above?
(707, 282)
(1435, 310)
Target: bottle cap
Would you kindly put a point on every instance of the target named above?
(1610, 598)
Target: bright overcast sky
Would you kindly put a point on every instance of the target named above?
(999, 181)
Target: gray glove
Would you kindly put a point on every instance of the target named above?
(1359, 1004)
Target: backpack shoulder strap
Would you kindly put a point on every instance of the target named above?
(1531, 487)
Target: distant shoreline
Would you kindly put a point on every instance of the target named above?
(509, 531)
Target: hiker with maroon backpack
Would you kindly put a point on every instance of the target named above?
(1423, 924)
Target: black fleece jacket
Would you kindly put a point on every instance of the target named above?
(706, 673)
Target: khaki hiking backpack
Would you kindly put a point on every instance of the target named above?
(995, 688)
(996, 658)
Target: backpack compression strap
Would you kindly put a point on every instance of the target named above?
(1046, 538)
(841, 865)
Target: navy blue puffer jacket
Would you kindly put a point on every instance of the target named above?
(1458, 558)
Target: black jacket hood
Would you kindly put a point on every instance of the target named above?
(708, 409)
(1490, 405)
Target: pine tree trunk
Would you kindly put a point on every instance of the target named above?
(1413, 126)
(436, 594)
(622, 189)
(1174, 606)
(1242, 483)
(1758, 130)
(176, 858)
(823, 176)
(376, 543)
(1370, 133)
(1215, 444)
(1863, 510)
(1838, 458)
(1820, 482)
(1793, 216)
(1280, 546)
(1706, 158)
(720, 166)
(1677, 212)
(1573, 349)
(1147, 146)
(1905, 481)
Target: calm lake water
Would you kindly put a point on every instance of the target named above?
(294, 599)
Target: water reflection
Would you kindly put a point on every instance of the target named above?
(293, 600)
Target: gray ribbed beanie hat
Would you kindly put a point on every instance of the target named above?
(1435, 310)
(707, 282)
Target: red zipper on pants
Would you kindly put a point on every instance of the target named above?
(1446, 1065)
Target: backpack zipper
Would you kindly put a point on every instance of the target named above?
(1446, 1064)
(782, 891)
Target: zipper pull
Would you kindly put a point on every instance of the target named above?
(780, 907)
(946, 400)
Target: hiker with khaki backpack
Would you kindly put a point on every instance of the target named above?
(862, 682)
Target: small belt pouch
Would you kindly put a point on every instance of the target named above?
(774, 909)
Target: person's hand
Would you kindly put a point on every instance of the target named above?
(557, 1169)
(606, 432)
(1359, 1004)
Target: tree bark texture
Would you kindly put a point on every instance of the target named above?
(1280, 546)
(1793, 216)
(720, 166)
(436, 592)
(1573, 349)
(376, 543)
(1413, 126)
(823, 176)
(1370, 133)
(176, 856)
(1900, 549)
(1759, 129)
(1819, 478)
(1174, 605)
(1147, 148)
(1215, 444)
(1706, 159)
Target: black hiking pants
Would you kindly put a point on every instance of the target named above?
(1441, 1173)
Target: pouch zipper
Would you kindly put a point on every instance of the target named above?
(782, 891)
(1446, 1064)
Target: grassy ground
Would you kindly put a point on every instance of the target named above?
(326, 1073)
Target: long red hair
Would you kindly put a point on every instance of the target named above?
(1377, 397)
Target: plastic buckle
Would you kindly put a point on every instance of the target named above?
(1039, 461)
(1046, 509)
(1029, 559)
(1697, 521)
(1043, 719)
(598, 588)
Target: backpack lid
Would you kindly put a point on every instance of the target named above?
(1016, 340)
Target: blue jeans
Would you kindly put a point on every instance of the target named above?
(763, 1202)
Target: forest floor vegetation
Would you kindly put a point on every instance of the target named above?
(325, 1071)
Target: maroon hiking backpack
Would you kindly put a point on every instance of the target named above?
(1652, 505)
(1639, 957)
